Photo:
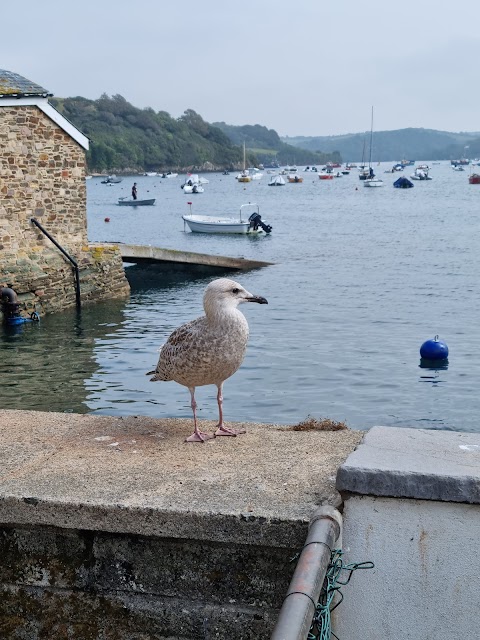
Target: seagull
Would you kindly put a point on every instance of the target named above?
(210, 349)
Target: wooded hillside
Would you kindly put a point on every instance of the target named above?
(123, 137)
(126, 138)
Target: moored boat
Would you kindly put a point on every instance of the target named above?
(239, 225)
(403, 183)
(124, 202)
(370, 180)
(113, 179)
(193, 188)
(295, 178)
(244, 176)
(373, 182)
(421, 173)
(276, 181)
(192, 184)
(474, 178)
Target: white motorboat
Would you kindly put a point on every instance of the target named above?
(113, 179)
(254, 173)
(168, 174)
(373, 182)
(192, 184)
(239, 225)
(276, 181)
(421, 173)
(151, 174)
(193, 188)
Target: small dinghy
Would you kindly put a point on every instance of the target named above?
(124, 202)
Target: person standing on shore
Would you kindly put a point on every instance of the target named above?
(134, 191)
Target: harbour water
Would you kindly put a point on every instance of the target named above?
(362, 277)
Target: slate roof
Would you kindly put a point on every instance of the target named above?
(13, 85)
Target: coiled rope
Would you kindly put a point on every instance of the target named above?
(321, 628)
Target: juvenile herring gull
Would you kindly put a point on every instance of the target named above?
(210, 349)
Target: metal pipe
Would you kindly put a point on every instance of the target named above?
(69, 257)
(7, 292)
(299, 605)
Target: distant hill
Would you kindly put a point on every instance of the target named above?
(267, 145)
(411, 144)
(125, 138)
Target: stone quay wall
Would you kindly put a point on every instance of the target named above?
(112, 528)
(42, 176)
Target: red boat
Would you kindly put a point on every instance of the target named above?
(474, 178)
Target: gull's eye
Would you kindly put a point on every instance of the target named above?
(235, 290)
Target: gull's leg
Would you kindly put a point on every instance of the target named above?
(197, 435)
(222, 430)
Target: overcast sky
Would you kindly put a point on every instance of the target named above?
(301, 67)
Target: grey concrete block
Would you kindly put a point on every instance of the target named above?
(414, 463)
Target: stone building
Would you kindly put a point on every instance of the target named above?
(42, 177)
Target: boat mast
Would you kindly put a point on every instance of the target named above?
(371, 140)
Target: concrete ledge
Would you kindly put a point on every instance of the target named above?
(146, 253)
(414, 463)
(137, 476)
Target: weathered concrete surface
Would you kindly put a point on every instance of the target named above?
(138, 475)
(147, 253)
(116, 529)
(425, 584)
(415, 463)
(412, 507)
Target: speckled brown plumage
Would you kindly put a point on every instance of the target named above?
(211, 348)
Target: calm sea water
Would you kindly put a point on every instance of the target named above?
(362, 277)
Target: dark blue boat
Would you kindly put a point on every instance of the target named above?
(403, 183)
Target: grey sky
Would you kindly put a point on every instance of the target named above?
(301, 67)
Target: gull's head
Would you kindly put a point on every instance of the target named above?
(224, 293)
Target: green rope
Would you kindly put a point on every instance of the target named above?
(321, 628)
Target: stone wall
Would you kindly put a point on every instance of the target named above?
(121, 587)
(42, 176)
(112, 528)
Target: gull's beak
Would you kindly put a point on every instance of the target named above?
(258, 299)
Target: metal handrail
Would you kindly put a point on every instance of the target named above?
(69, 257)
(299, 605)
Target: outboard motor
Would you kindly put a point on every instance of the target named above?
(256, 221)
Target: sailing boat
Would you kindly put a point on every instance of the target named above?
(244, 176)
(371, 181)
(363, 172)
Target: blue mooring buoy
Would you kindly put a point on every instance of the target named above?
(434, 350)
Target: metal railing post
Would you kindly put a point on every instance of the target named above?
(299, 605)
(69, 257)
